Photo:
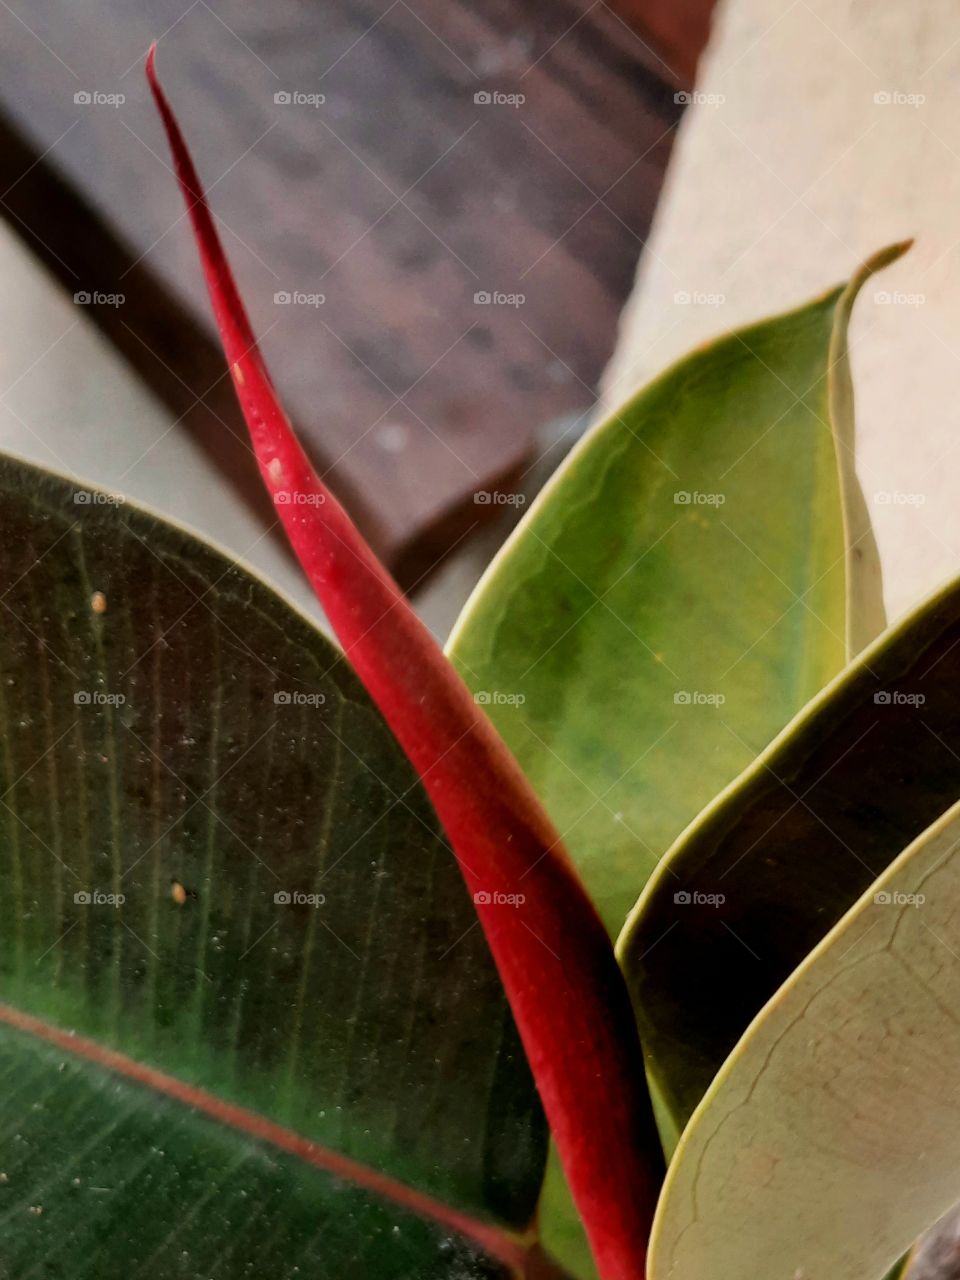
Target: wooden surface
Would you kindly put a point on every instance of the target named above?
(676, 31)
(397, 199)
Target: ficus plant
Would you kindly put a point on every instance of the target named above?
(619, 941)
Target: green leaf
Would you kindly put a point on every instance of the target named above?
(562, 1233)
(777, 859)
(107, 1179)
(678, 591)
(830, 1139)
(174, 734)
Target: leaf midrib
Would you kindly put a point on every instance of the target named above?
(512, 1249)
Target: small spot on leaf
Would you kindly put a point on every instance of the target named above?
(179, 893)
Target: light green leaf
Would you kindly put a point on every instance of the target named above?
(777, 859)
(677, 592)
(216, 861)
(865, 616)
(831, 1137)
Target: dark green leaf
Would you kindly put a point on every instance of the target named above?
(775, 861)
(103, 1179)
(174, 732)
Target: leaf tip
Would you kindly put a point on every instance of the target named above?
(876, 262)
(884, 257)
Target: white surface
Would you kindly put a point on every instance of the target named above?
(69, 402)
(786, 174)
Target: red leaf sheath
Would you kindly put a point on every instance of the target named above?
(552, 951)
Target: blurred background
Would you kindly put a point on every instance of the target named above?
(463, 231)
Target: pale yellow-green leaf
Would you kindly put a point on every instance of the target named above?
(831, 1137)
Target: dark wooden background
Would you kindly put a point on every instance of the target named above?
(398, 199)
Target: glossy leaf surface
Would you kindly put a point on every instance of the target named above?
(679, 590)
(217, 862)
(831, 1137)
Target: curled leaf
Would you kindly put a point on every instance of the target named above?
(551, 950)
